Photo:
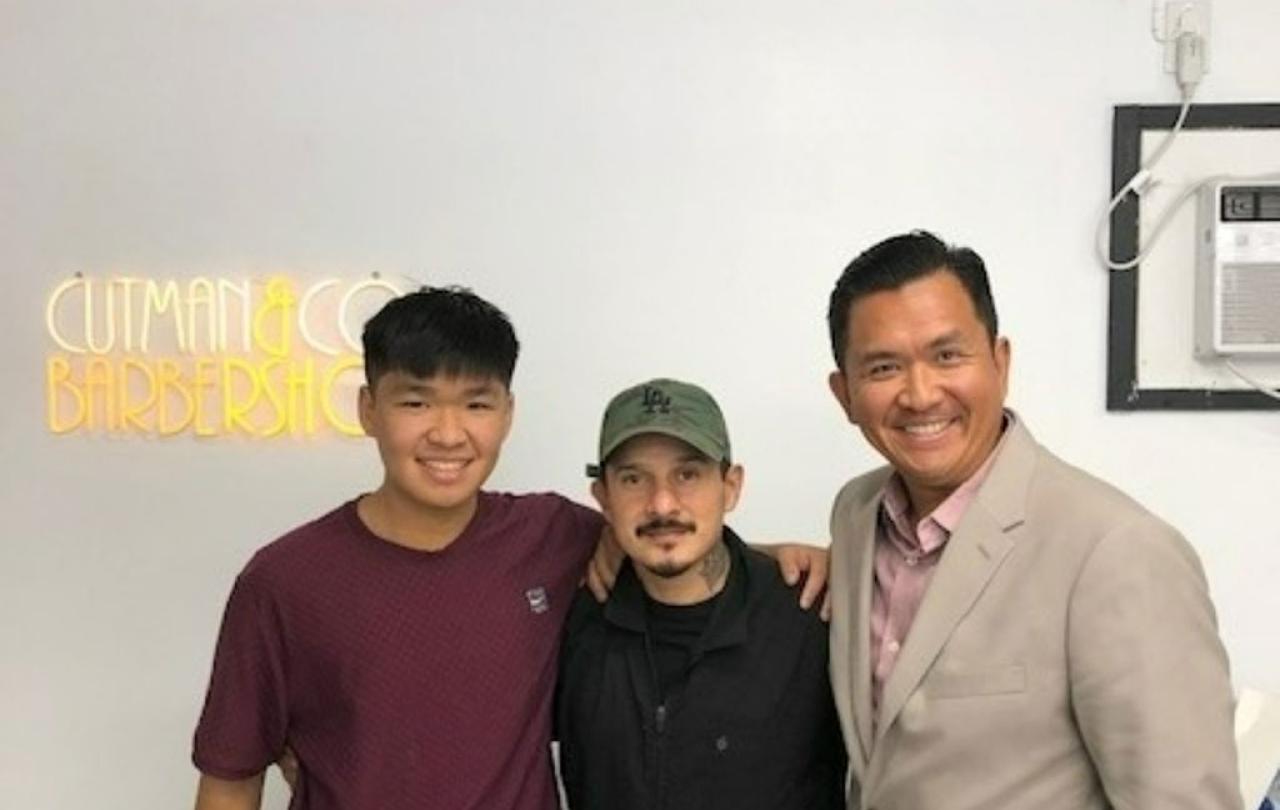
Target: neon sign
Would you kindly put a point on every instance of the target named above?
(207, 356)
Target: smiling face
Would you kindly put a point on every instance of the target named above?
(439, 438)
(924, 383)
(666, 503)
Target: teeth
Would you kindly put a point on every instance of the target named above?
(927, 428)
(445, 466)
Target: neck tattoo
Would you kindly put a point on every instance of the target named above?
(715, 566)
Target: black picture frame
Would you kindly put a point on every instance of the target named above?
(1123, 391)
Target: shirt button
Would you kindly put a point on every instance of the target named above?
(893, 646)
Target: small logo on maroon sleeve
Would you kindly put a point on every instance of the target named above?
(537, 600)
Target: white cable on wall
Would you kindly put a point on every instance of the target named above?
(1260, 386)
(1166, 216)
(1190, 68)
(1140, 182)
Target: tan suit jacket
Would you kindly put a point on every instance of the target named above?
(1065, 655)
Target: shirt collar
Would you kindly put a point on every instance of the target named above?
(896, 506)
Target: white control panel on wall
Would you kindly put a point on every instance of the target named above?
(1238, 270)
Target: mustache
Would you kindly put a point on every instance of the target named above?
(663, 525)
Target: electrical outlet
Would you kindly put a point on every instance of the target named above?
(1183, 17)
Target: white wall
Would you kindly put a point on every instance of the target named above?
(648, 188)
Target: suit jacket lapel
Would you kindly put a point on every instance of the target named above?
(861, 567)
(972, 556)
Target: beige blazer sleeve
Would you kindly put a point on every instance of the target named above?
(1148, 675)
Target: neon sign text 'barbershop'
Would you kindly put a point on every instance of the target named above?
(207, 356)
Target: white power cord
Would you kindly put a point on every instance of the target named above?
(1166, 216)
(1139, 183)
(1262, 387)
(1190, 68)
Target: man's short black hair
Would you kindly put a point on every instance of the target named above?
(440, 330)
(894, 263)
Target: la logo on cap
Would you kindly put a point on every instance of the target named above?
(655, 400)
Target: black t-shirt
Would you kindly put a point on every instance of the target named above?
(673, 631)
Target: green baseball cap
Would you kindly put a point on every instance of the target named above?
(670, 407)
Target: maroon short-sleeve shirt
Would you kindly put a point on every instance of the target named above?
(401, 678)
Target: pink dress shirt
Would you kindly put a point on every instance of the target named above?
(904, 561)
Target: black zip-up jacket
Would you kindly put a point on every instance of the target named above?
(753, 725)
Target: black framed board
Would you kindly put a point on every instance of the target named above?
(1123, 390)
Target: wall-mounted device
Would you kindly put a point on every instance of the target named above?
(1238, 269)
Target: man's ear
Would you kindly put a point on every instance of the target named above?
(1003, 352)
(598, 492)
(734, 477)
(364, 405)
(839, 385)
(511, 413)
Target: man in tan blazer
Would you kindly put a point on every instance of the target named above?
(1008, 631)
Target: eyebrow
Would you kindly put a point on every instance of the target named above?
(947, 339)
(480, 389)
(623, 467)
(881, 354)
(688, 458)
(955, 336)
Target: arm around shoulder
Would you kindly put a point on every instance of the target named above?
(798, 562)
(226, 794)
(1149, 679)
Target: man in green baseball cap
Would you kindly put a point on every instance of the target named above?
(699, 683)
(677, 409)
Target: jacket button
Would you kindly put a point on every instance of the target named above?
(722, 743)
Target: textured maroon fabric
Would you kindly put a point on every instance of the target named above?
(401, 678)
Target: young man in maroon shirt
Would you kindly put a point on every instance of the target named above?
(404, 646)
